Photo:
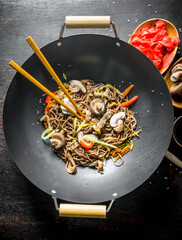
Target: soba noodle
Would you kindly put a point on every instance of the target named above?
(72, 152)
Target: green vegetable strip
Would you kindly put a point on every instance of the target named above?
(136, 133)
(99, 142)
(45, 137)
(131, 145)
(74, 126)
(82, 126)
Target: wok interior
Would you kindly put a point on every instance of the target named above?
(101, 59)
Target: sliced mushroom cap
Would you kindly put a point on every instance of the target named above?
(97, 107)
(120, 127)
(57, 141)
(176, 76)
(67, 102)
(176, 90)
(114, 121)
(76, 86)
(176, 68)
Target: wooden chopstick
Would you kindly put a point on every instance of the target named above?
(44, 89)
(51, 71)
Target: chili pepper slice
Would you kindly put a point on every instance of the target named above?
(87, 145)
(132, 100)
(48, 98)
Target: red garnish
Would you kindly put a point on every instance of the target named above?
(155, 44)
(48, 98)
(87, 145)
(132, 100)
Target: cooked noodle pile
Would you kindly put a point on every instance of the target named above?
(72, 151)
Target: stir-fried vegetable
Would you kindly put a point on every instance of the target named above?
(125, 150)
(132, 100)
(64, 76)
(48, 106)
(45, 134)
(126, 92)
(136, 133)
(48, 98)
(131, 145)
(86, 144)
(82, 126)
(74, 126)
(96, 129)
(87, 138)
(110, 85)
(99, 135)
(122, 152)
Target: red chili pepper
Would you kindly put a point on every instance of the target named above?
(48, 98)
(132, 100)
(87, 145)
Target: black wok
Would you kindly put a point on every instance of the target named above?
(102, 59)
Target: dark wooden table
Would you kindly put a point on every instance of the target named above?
(152, 211)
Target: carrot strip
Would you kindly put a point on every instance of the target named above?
(48, 106)
(125, 93)
(124, 150)
(113, 152)
(116, 159)
(121, 151)
(118, 150)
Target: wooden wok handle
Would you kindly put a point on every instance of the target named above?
(82, 210)
(174, 159)
(87, 21)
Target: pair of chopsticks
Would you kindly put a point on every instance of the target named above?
(53, 74)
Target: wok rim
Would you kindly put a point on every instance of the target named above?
(5, 131)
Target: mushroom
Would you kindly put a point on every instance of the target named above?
(57, 141)
(97, 106)
(176, 76)
(120, 127)
(46, 119)
(115, 118)
(116, 121)
(176, 91)
(76, 86)
(68, 103)
(103, 121)
(176, 68)
(176, 73)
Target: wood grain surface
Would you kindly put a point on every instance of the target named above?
(152, 211)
